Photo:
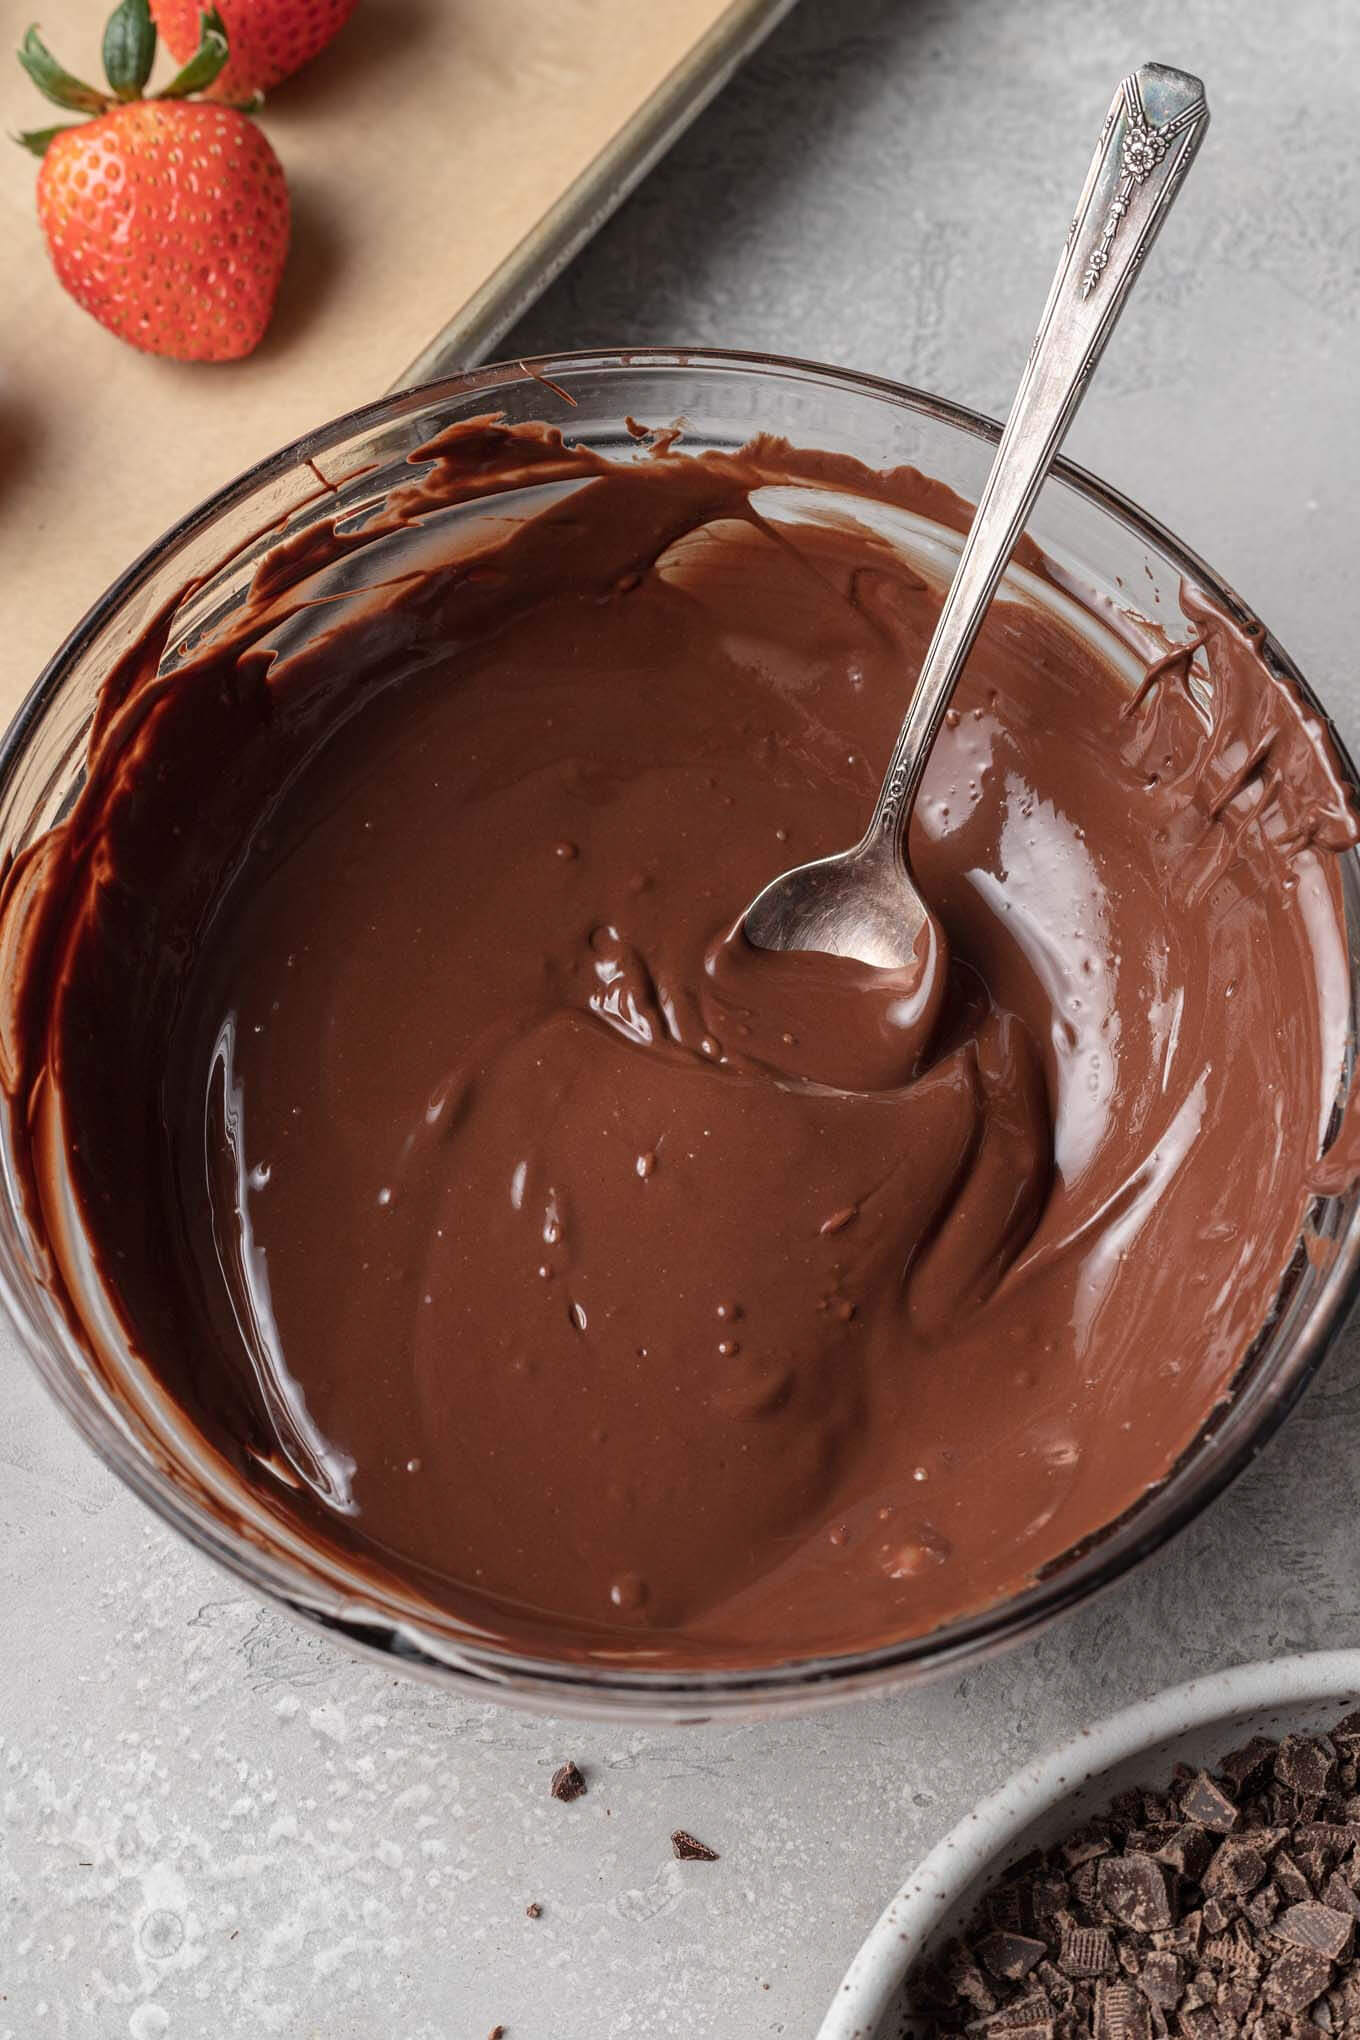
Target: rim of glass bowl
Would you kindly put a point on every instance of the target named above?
(1266, 1388)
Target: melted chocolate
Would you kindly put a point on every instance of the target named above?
(612, 1289)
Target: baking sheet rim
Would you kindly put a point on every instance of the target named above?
(601, 187)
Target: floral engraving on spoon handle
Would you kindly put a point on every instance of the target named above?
(1143, 148)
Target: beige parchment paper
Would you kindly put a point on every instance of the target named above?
(420, 149)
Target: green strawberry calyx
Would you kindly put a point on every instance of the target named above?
(129, 52)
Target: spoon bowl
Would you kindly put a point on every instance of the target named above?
(860, 903)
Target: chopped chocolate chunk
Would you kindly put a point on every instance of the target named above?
(1006, 1908)
(1297, 1978)
(1208, 1986)
(1121, 2013)
(1048, 1894)
(968, 1982)
(1328, 1837)
(1319, 1846)
(567, 1782)
(1029, 2019)
(1306, 1764)
(1160, 1977)
(1288, 1879)
(1208, 1805)
(1236, 1869)
(1235, 2000)
(1084, 1847)
(1347, 1995)
(1244, 1956)
(1187, 1851)
(1284, 1807)
(1201, 1990)
(1135, 1888)
(1087, 1951)
(1318, 1927)
(1219, 1914)
(534, 1911)
(1245, 1769)
(1339, 1894)
(1184, 1938)
(1059, 1988)
(1024, 2013)
(1346, 1734)
(1262, 1906)
(1217, 1963)
(1011, 1956)
(690, 1849)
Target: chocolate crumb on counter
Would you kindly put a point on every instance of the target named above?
(568, 1783)
(533, 1911)
(1224, 1908)
(690, 1849)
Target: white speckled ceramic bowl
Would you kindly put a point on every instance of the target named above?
(1193, 1724)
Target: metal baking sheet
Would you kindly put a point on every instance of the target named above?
(583, 208)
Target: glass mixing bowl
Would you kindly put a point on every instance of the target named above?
(1122, 565)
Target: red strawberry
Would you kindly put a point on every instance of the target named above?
(270, 39)
(166, 220)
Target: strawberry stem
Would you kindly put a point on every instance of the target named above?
(54, 83)
(129, 48)
(207, 60)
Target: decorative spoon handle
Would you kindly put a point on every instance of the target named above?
(1151, 133)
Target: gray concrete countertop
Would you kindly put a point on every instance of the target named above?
(216, 1825)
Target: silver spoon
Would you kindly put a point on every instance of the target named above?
(863, 903)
